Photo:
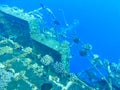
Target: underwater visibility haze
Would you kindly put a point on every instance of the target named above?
(63, 45)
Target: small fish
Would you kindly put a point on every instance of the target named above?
(56, 22)
(43, 7)
(76, 40)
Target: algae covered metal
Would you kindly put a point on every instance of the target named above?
(31, 59)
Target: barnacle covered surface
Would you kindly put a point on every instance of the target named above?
(27, 56)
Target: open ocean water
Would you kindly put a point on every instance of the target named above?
(96, 22)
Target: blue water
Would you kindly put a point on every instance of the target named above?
(99, 25)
